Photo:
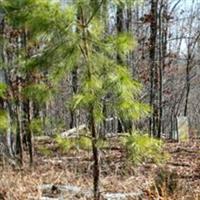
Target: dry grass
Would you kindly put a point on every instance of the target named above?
(118, 175)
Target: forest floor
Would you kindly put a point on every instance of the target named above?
(178, 178)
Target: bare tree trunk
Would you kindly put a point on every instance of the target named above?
(96, 168)
(9, 130)
(74, 91)
(163, 29)
(27, 132)
(187, 86)
(19, 137)
(30, 134)
(153, 68)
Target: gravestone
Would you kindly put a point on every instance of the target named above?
(175, 135)
(183, 128)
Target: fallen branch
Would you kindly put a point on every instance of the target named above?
(179, 149)
(179, 164)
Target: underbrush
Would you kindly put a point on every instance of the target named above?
(142, 148)
(70, 163)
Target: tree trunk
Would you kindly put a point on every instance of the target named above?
(27, 132)
(96, 168)
(163, 29)
(153, 68)
(187, 86)
(9, 130)
(72, 123)
(19, 137)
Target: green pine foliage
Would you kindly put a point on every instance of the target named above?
(102, 76)
(3, 121)
(83, 142)
(80, 143)
(64, 144)
(141, 148)
(36, 126)
(45, 151)
(69, 43)
(3, 89)
(39, 93)
(3, 114)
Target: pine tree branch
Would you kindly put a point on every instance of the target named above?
(94, 13)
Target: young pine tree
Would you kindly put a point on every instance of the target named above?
(102, 76)
(83, 42)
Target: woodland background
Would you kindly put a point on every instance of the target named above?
(101, 68)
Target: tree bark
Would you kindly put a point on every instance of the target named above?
(187, 85)
(153, 68)
(19, 137)
(96, 168)
(72, 123)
